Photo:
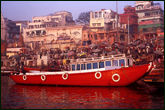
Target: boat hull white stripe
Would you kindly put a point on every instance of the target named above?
(69, 72)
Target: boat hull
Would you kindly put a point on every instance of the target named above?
(117, 77)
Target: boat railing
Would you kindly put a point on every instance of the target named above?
(99, 58)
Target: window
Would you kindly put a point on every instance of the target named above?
(100, 14)
(96, 15)
(98, 24)
(102, 36)
(89, 66)
(78, 66)
(95, 37)
(94, 24)
(95, 66)
(84, 42)
(27, 33)
(101, 64)
(108, 63)
(73, 67)
(121, 61)
(82, 66)
(114, 63)
(92, 15)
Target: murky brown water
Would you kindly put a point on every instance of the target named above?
(14, 96)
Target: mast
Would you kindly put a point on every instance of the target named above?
(117, 20)
(128, 31)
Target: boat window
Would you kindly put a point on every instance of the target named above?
(108, 63)
(128, 62)
(73, 67)
(89, 66)
(101, 64)
(78, 66)
(82, 66)
(121, 61)
(114, 63)
(95, 66)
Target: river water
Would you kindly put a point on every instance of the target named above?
(14, 96)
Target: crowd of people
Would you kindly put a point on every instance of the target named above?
(141, 51)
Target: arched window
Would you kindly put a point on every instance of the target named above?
(44, 32)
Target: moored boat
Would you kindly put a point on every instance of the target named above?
(113, 70)
(29, 69)
(154, 76)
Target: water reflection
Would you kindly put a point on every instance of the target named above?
(40, 97)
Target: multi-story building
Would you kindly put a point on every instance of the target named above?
(104, 28)
(13, 30)
(58, 37)
(3, 35)
(38, 24)
(131, 16)
(3, 28)
(151, 17)
(103, 20)
(21, 25)
(37, 28)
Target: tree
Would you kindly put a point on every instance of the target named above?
(83, 17)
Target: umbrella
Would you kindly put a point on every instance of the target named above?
(162, 44)
(141, 45)
(102, 46)
(106, 44)
(115, 44)
(122, 47)
(96, 50)
(63, 53)
(158, 52)
(135, 43)
(70, 53)
(15, 56)
(112, 52)
(66, 47)
(92, 45)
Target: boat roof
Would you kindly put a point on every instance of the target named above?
(98, 59)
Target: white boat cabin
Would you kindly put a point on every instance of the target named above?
(104, 62)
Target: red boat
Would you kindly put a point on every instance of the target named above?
(113, 70)
(28, 69)
(154, 76)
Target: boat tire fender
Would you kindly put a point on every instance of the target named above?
(116, 80)
(24, 77)
(43, 77)
(100, 75)
(65, 76)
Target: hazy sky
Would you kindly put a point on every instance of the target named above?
(24, 10)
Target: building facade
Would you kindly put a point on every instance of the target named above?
(21, 25)
(57, 37)
(38, 24)
(3, 35)
(103, 20)
(13, 30)
(151, 17)
(129, 16)
(3, 29)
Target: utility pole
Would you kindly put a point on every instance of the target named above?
(128, 31)
(154, 28)
(117, 20)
